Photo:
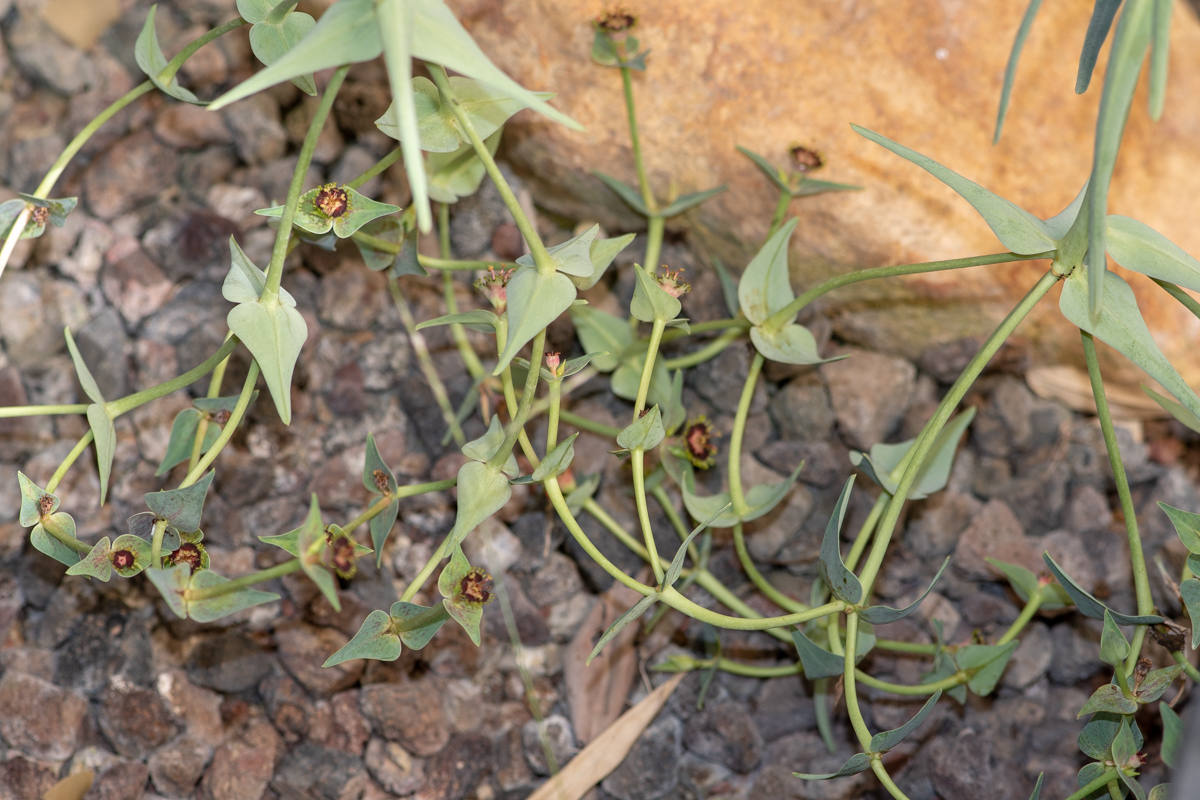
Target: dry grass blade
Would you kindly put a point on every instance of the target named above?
(72, 787)
(596, 693)
(608, 749)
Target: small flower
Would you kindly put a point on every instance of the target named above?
(805, 159)
(122, 559)
(45, 504)
(40, 215)
(615, 20)
(332, 201)
(222, 416)
(554, 363)
(381, 481)
(672, 283)
(493, 287)
(191, 553)
(340, 557)
(697, 441)
(476, 586)
(1140, 671)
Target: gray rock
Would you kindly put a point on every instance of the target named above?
(725, 733)
(870, 393)
(242, 767)
(554, 733)
(302, 650)
(651, 769)
(801, 410)
(134, 285)
(938, 522)
(317, 773)
(1031, 659)
(38, 718)
(407, 713)
(824, 462)
(176, 767)
(1075, 645)
(132, 171)
(134, 721)
(46, 57)
(104, 347)
(124, 779)
(228, 662)
(782, 707)
(995, 532)
(454, 772)
(950, 774)
(21, 778)
(720, 381)
(34, 309)
(258, 134)
(19, 436)
(557, 580)
(805, 752)
(393, 768)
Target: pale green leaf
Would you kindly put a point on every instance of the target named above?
(31, 501)
(1113, 644)
(600, 331)
(986, 663)
(1159, 59)
(376, 639)
(1109, 698)
(1187, 526)
(182, 507)
(650, 301)
(621, 622)
(1010, 75)
(1172, 739)
(859, 762)
(1139, 248)
(1189, 590)
(688, 201)
(557, 461)
(481, 493)
(182, 438)
(791, 344)
(1088, 605)
(1156, 683)
(534, 301)
(602, 254)
(816, 660)
(886, 463)
(414, 638)
(214, 608)
(765, 286)
(172, 583)
(572, 257)
(270, 41)
(104, 439)
(1174, 408)
(479, 319)
(245, 282)
(90, 387)
(628, 194)
(274, 335)
(643, 433)
(886, 740)
(150, 59)
(1103, 12)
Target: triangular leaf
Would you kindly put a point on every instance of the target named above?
(986, 663)
(841, 581)
(885, 741)
(480, 320)
(90, 387)
(557, 460)
(650, 301)
(572, 257)
(774, 174)
(1156, 683)
(1113, 644)
(676, 566)
(816, 660)
(244, 283)
(270, 41)
(415, 638)
(1023, 582)
(456, 175)
(1108, 698)
(150, 59)
(1037, 787)
(376, 639)
(806, 187)
(1175, 409)
(762, 499)
(881, 615)
(1139, 248)
(377, 476)
(621, 622)
(35, 501)
(311, 543)
(381, 527)
(481, 493)
(1097, 736)
(172, 583)
(486, 446)
(765, 286)
(644, 433)
(599, 331)
(182, 507)
(274, 335)
(534, 301)
(48, 544)
(886, 462)
(95, 564)
(602, 253)
(104, 438)
(214, 608)
(791, 344)
(1088, 605)
(1017, 229)
(859, 762)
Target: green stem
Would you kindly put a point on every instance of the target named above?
(638, 456)
(654, 240)
(130, 402)
(613, 527)
(552, 416)
(889, 784)
(1137, 559)
(235, 417)
(774, 595)
(417, 341)
(554, 492)
(1188, 669)
(934, 427)
(174, 65)
(706, 353)
(1101, 781)
(536, 249)
(735, 439)
(214, 390)
(664, 502)
(455, 265)
(376, 168)
(636, 143)
(510, 393)
(72, 456)
(38, 411)
(791, 309)
(781, 209)
(52, 527)
(848, 684)
(656, 333)
(270, 293)
(675, 600)
(585, 424)
(376, 509)
(1027, 614)
(868, 527)
(237, 584)
(457, 331)
(156, 540)
(516, 426)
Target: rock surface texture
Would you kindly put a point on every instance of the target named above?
(764, 74)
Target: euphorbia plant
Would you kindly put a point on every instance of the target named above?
(448, 129)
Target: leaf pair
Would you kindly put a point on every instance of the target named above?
(1187, 528)
(335, 208)
(311, 543)
(625, 357)
(100, 418)
(273, 330)
(187, 424)
(42, 211)
(39, 509)
(275, 30)
(127, 556)
(178, 584)
(179, 510)
(760, 500)
(352, 31)
(886, 463)
(380, 481)
(483, 488)
(381, 639)
(796, 184)
(880, 744)
(765, 290)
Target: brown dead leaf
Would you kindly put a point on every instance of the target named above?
(81, 22)
(1071, 387)
(596, 693)
(72, 787)
(608, 750)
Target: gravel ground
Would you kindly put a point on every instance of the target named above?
(103, 677)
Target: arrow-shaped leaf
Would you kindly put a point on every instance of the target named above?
(841, 581)
(376, 639)
(1088, 605)
(184, 507)
(881, 615)
(882, 742)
